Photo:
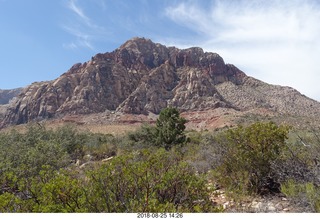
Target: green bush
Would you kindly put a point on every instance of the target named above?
(25, 153)
(306, 195)
(99, 146)
(143, 181)
(50, 191)
(295, 163)
(246, 166)
(70, 140)
(147, 182)
(145, 136)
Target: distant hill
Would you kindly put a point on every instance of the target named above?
(7, 95)
(142, 77)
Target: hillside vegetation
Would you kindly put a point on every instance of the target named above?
(159, 168)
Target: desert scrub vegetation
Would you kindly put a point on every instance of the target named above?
(300, 169)
(306, 195)
(143, 181)
(40, 173)
(246, 165)
(266, 158)
(156, 168)
(148, 181)
(257, 160)
(169, 131)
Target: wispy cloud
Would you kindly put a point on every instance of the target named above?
(72, 5)
(83, 28)
(71, 45)
(82, 39)
(275, 41)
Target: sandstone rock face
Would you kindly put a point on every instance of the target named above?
(141, 77)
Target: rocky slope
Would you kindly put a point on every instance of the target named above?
(143, 77)
(5, 97)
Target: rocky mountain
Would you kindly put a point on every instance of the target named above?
(7, 95)
(143, 77)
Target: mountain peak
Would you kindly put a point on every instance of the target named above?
(136, 42)
(141, 77)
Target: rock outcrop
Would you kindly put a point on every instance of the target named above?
(142, 77)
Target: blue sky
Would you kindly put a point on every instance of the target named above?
(274, 41)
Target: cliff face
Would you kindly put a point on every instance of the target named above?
(141, 77)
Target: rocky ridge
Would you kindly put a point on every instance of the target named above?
(8, 94)
(142, 77)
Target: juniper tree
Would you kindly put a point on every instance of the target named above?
(170, 128)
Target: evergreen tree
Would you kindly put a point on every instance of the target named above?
(170, 128)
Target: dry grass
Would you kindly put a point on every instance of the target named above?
(109, 129)
(117, 129)
(119, 124)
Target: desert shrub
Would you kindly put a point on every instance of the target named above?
(145, 136)
(305, 195)
(35, 133)
(295, 163)
(194, 137)
(299, 160)
(55, 191)
(202, 151)
(100, 146)
(24, 154)
(147, 182)
(144, 181)
(101, 151)
(50, 191)
(8, 202)
(246, 165)
(298, 170)
(97, 139)
(70, 140)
